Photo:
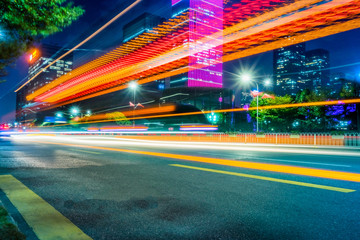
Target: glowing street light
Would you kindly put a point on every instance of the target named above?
(267, 82)
(75, 110)
(133, 85)
(59, 115)
(248, 78)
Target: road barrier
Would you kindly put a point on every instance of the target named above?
(317, 139)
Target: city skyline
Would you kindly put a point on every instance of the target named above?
(228, 81)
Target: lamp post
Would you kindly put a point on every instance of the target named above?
(75, 111)
(248, 78)
(257, 107)
(133, 85)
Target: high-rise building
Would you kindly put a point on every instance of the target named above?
(139, 25)
(38, 59)
(317, 75)
(204, 38)
(336, 82)
(289, 69)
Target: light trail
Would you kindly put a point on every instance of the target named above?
(314, 17)
(133, 141)
(82, 42)
(310, 172)
(298, 13)
(292, 105)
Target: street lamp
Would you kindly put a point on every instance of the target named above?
(75, 110)
(267, 82)
(59, 115)
(133, 85)
(248, 78)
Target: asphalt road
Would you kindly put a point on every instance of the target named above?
(113, 194)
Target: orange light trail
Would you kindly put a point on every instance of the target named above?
(138, 112)
(121, 51)
(292, 105)
(258, 34)
(312, 172)
(81, 43)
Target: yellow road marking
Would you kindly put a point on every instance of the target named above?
(79, 150)
(45, 220)
(312, 172)
(344, 190)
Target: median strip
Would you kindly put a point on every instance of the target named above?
(46, 222)
(344, 190)
(312, 172)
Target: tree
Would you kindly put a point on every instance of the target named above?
(275, 119)
(119, 118)
(312, 118)
(24, 21)
(349, 89)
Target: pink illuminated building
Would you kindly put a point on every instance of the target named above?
(204, 34)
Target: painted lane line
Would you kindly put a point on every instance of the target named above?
(344, 190)
(278, 160)
(312, 172)
(46, 222)
(78, 150)
(313, 163)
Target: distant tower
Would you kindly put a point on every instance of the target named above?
(289, 69)
(205, 36)
(317, 75)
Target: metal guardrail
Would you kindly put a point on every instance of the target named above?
(315, 139)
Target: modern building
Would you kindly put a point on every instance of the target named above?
(139, 25)
(336, 83)
(196, 28)
(317, 75)
(38, 59)
(289, 69)
(204, 35)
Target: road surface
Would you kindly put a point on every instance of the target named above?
(117, 188)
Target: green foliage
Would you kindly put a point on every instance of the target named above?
(7, 229)
(348, 90)
(119, 118)
(274, 118)
(24, 21)
(312, 118)
(38, 18)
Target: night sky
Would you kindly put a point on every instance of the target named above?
(344, 48)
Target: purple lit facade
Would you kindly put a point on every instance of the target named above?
(205, 42)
